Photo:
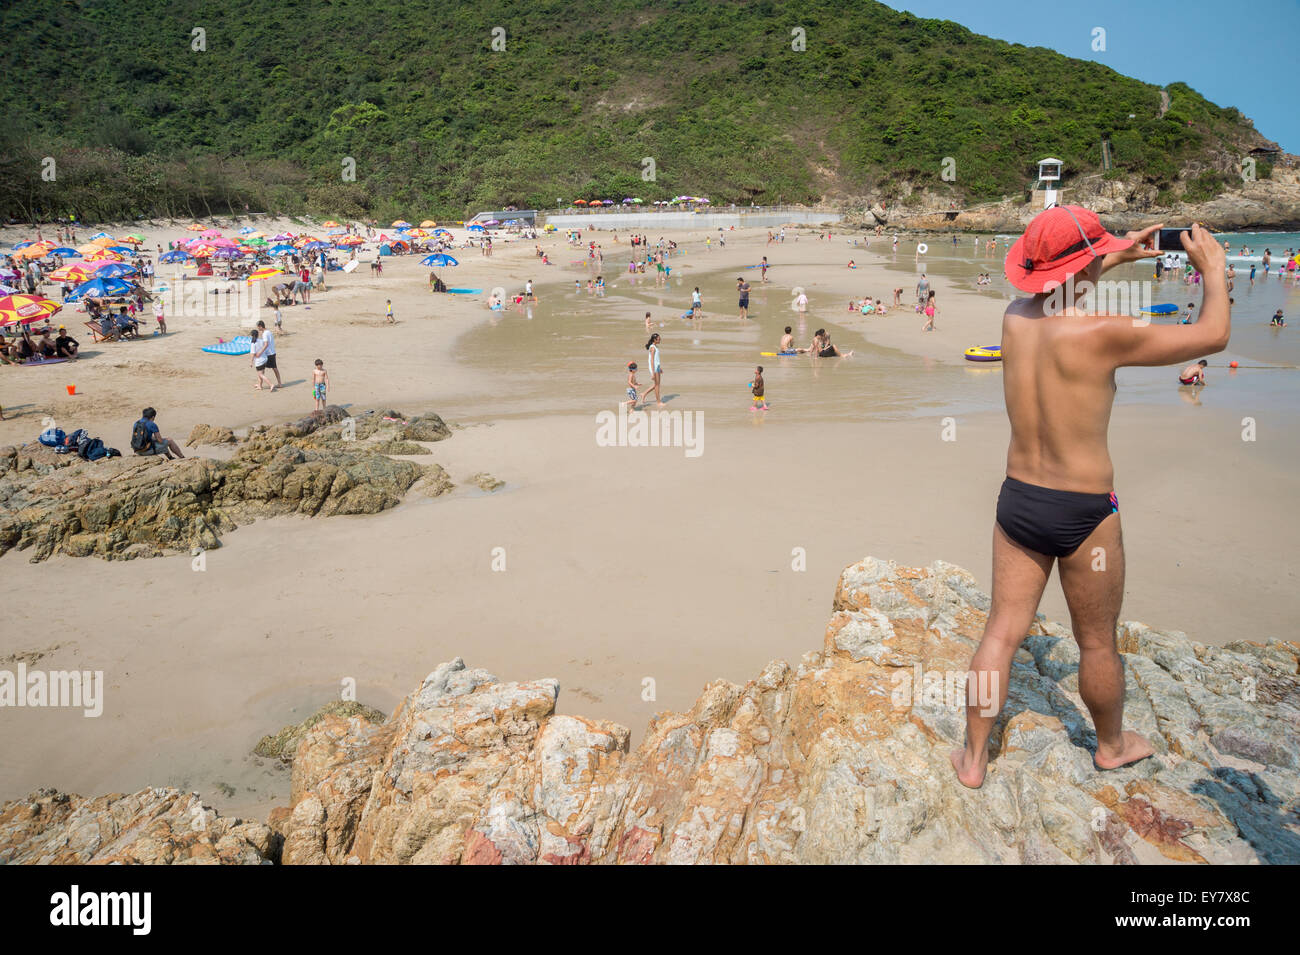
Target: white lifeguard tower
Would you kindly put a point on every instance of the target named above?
(1049, 180)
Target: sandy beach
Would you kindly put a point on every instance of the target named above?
(621, 564)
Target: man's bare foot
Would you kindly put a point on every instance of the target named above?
(1132, 749)
(970, 772)
(273, 387)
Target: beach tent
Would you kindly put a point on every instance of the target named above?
(385, 250)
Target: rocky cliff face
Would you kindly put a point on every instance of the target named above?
(118, 508)
(840, 758)
(1264, 204)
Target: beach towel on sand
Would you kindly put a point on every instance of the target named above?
(236, 346)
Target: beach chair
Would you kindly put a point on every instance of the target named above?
(97, 336)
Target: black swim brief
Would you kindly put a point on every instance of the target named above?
(1051, 522)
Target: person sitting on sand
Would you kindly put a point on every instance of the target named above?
(1277, 320)
(66, 346)
(787, 344)
(1194, 374)
(1057, 506)
(146, 438)
(822, 347)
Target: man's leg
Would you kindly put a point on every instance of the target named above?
(1019, 576)
(1093, 580)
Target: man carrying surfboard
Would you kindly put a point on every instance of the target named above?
(1058, 502)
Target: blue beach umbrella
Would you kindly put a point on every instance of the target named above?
(66, 253)
(99, 235)
(117, 270)
(122, 250)
(476, 228)
(177, 255)
(316, 246)
(98, 288)
(23, 245)
(438, 259)
(282, 249)
(247, 230)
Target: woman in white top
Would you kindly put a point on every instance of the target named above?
(655, 369)
(258, 361)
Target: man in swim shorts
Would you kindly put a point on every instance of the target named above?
(1057, 505)
(1193, 374)
(742, 288)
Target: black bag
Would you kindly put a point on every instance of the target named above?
(141, 439)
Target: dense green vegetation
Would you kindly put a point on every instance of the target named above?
(439, 123)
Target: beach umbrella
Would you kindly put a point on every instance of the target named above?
(8, 290)
(261, 274)
(401, 223)
(121, 249)
(227, 253)
(104, 255)
(202, 250)
(437, 259)
(194, 227)
(476, 228)
(337, 232)
(442, 232)
(176, 255)
(427, 224)
(330, 223)
(103, 242)
(25, 309)
(24, 244)
(222, 242)
(255, 240)
(66, 253)
(282, 250)
(100, 235)
(137, 239)
(99, 288)
(246, 230)
(315, 246)
(417, 233)
(116, 270)
(579, 202)
(210, 233)
(351, 240)
(74, 273)
(282, 237)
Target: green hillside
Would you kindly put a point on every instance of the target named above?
(439, 123)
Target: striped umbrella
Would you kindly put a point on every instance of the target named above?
(260, 274)
(25, 309)
(73, 273)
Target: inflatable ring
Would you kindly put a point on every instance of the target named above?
(984, 353)
(922, 249)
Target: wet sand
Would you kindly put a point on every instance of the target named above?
(622, 563)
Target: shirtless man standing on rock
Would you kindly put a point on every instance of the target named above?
(1058, 501)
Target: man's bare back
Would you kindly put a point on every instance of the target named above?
(1058, 504)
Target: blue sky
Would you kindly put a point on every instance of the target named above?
(1241, 54)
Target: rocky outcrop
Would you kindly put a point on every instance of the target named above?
(284, 744)
(151, 827)
(325, 464)
(842, 757)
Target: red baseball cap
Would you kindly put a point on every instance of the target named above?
(1060, 242)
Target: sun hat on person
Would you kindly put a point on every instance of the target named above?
(1061, 241)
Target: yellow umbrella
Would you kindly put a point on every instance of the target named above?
(261, 274)
(194, 227)
(331, 224)
(427, 224)
(89, 248)
(103, 255)
(25, 309)
(104, 241)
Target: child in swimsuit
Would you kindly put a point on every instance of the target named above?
(756, 387)
(320, 379)
(632, 383)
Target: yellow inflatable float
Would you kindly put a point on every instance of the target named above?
(984, 353)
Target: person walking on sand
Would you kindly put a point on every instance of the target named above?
(1058, 504)
(930, 310)
(388, 312)
(258, 360)
(632, 386)
(656, 370)
(270, 352)
(742, 287)
(320, 382)
(757, 389)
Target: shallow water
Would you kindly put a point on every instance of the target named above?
(569, 352)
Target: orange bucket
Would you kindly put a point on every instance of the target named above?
(72, 389)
